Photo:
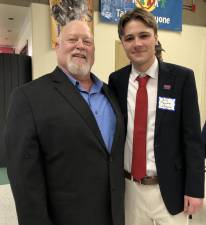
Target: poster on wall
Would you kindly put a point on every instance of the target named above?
(63, 11)
(168, 13)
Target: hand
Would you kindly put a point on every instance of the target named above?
(192, 205)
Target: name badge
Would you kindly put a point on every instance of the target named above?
(166, 103)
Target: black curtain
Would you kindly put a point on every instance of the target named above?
(15, 70)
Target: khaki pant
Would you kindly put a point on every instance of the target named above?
(144, 206)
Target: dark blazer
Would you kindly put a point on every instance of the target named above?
(58, 165)
(177, 140)
(204, 137)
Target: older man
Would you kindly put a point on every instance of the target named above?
(64, 139)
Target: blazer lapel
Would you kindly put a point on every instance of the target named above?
(123, 86)
(68, 91)
(117, 111)
(166, 84)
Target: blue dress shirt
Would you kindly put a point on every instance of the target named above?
(100, 107)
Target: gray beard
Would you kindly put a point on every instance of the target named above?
(78, 70)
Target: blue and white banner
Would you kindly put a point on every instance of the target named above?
(168, 13)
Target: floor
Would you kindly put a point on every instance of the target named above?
(8, 212)
(7, 207)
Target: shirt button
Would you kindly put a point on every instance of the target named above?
(96, 112)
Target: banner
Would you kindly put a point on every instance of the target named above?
(168, 13)
(63, 11)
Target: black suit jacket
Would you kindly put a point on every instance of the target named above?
(204, 137)
(58, 165)
(177, 139)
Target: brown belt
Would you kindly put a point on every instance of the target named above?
(148, 180)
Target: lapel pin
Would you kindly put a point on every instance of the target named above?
(167, 87)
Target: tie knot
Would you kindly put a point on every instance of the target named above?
(142, 80)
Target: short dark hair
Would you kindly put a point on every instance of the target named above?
(137, 14)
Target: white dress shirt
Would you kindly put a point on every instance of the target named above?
(152, 101)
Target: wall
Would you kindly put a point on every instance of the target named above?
(25, 35)
(43, 56)
(105, 35)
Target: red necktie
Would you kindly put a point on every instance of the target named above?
(138, 170)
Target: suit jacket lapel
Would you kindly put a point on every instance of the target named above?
(125, 81)
(68, 91)
(118, 114)
(166, 84)
(123, 86)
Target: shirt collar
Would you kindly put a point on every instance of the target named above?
(152, 71)
(96, 86)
